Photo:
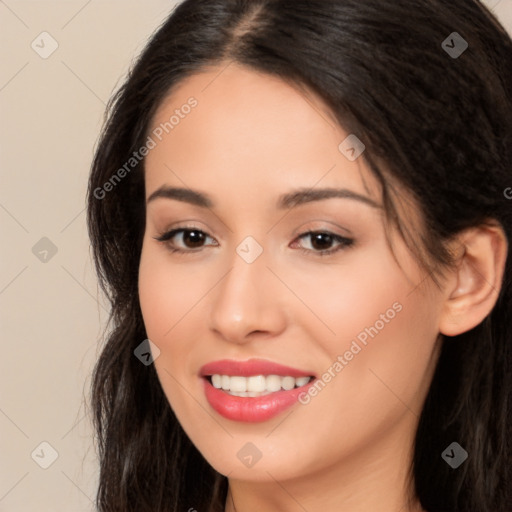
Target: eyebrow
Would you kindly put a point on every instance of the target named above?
(289, 200)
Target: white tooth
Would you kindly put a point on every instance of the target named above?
(273, 383)
(238, 384)
(301, 381)
(238, 393)
(225, 382)
(287, 383)
(256, 383)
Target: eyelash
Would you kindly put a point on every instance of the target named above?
(344, 242)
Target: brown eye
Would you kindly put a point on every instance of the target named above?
(193, 239)
(190, 239)
(321, 242)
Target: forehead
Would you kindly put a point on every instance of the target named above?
(235, 86)
(250, 126)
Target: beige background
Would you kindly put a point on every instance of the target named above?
(52, 314)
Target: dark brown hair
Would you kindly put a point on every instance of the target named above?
(441, 124)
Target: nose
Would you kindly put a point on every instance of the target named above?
(247, 303)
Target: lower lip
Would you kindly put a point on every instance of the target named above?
(251, 409)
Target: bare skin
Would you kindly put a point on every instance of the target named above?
(250, 139)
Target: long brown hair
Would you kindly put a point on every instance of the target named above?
(441, 123)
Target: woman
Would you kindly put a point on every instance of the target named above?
(299, 212)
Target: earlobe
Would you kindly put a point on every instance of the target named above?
(475, 284)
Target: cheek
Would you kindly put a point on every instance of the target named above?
(386, 351)
(166, 294)
(156, 297)
(367, 288)
(166, 298)
(385, 332)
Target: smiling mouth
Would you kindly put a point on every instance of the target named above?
(256, 385)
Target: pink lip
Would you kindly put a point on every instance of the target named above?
(251, 409)
(250, 368)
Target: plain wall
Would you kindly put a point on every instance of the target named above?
(51, 311)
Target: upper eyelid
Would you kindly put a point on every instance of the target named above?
(296, 232)
(180, 229)
(299, 235)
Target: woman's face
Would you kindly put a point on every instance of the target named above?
(253, 159)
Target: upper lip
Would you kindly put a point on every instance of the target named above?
(250, 368)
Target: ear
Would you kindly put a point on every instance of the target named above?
(474, 286)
